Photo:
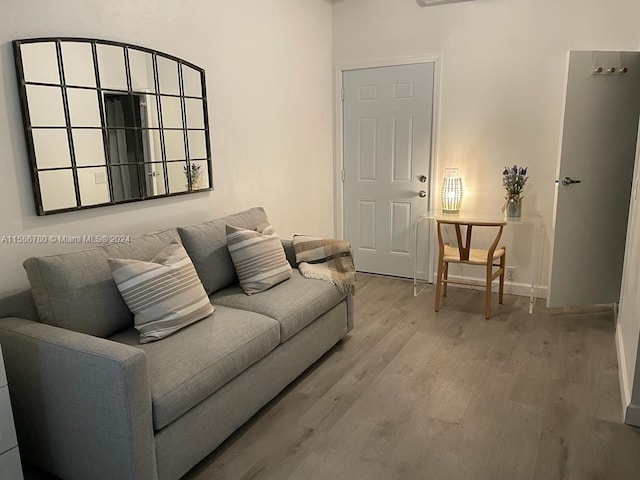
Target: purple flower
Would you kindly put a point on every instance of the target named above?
(192, 171)
(514, 179)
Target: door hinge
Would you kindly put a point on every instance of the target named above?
(342, 94)
(342, 175)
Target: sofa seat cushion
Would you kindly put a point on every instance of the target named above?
(192, 364)
(294, 303)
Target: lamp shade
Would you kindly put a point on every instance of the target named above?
(451, 194)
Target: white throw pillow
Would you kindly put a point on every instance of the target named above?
(165, 294)
(258, 257)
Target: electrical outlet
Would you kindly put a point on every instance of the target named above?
(510, 274)
(99, 177)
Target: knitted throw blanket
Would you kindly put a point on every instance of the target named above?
(326, 259)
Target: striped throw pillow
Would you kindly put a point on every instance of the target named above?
(258, 257)
(165, 294)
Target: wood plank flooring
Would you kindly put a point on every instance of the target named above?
(411, 394)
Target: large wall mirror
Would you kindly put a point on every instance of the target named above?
(109, 123)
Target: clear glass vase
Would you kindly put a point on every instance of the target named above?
(514, 207)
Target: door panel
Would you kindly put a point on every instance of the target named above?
(388, 118)
(402, 159)
(366, 225)
(367, 161)
(400, 227)
(598, 148)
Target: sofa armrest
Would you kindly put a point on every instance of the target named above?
(290, 252)
(81, 404)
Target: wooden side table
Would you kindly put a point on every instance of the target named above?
(10, 467)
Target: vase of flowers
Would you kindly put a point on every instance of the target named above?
(513, 180)
(192, 172)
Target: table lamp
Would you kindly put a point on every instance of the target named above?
(452, 191)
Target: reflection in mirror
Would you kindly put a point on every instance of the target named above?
(195, 113)
(40, 62)
(199, 176)
(151, 146)
(171, 112)
(126, 182)
(83, 107)
(57, 189)
(77, 58)
(51, 147)
(168, 75)
(88, 146)
(45, 106)
(174, 144)
(178, 181)
(122, 146)
(111, 67)
(197, 144)
(192, 82)
(141, 70)
(149, 112)
(154, 173)
(94, 188)
(132, 116)
(122, 110)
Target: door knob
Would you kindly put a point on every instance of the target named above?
(422, 193)
(569, 181)
(422, 178)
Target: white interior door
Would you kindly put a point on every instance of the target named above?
(387, 118)
(598, 149)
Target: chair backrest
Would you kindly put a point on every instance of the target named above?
(465, 248)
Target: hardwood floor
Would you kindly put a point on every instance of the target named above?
(412, 394)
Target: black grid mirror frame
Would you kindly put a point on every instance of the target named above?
(114, 123)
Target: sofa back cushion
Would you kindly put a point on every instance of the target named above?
(76, 290)
(206, 244)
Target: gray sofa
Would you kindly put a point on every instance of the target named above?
(90, 402)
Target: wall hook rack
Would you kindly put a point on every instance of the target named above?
(610, 70)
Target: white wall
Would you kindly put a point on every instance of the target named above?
(502, 82)
(269, 83)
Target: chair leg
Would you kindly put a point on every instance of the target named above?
(487, 300)
(439, 284)
(446, 277)
(503, 262)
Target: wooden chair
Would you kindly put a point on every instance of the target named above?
(464, 254)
